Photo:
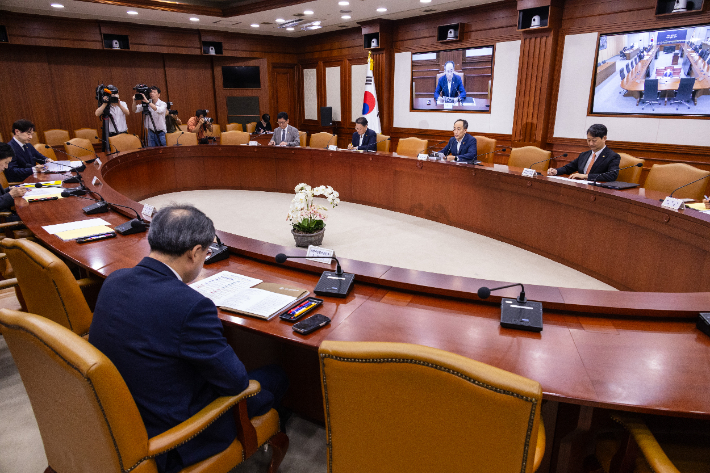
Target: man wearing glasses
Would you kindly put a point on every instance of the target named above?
(462, 146)
(285, 134)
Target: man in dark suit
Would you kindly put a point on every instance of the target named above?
(598, 164)
(462, 146)
(166, 339)
(449, 85)
(7, 196)
(363, 138)
(27, 158)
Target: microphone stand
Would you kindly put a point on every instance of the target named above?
(563, 155)
(336, 284)
(520, 313)
(375, 150)
(685, 185)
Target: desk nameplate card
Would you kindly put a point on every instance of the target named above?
(528, 172)
(672, 203)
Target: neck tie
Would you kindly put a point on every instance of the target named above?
(591, 163)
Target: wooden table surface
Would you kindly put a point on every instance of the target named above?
(629, 350)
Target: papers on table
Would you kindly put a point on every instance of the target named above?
(63, 227)
(257, 302)
(222, 286)
(62, 166)
(576, 181)
(42, 192)
(84, 232)
(44, 184)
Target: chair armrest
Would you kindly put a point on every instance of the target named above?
(540, 446)
(18, 223)
(6, 283)
(186, 430)
(647, 444)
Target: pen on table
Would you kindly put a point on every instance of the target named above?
(308, 307)
(298, 307)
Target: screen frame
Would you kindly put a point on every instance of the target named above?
(258, 68)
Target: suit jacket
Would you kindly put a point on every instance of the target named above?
(369, 141)
(456, 87)
(6, 200)
(604, 169)
(167, 342)
(290, 136)
(467, 152)
(20, 168)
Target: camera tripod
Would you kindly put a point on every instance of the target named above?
(105, 116)
(146, 113)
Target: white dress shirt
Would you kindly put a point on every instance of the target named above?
(158, 115)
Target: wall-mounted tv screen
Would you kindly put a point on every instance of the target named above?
(659, 72)
(458, 79)
(241, 77)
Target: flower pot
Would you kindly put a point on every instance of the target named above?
(305, 239)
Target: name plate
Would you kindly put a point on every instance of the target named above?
(448, 106)
(97, 163)
(529, 172)
(148, 210)
(422, 156)
(253, 143)
(673, 204)
(315, 251)
(333, 147)
(95, 181)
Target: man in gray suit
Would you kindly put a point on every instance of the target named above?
(285, 134)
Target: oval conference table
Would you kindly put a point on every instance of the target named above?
(636, 349)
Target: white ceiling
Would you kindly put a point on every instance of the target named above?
(326, 11)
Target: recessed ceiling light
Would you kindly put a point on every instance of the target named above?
(280, 20)
(289, 28)
(381, 10)
(308, 12)
(57, 5)
(132, 12)
(254, 25)
(343, 4)
(194, 19)
(346, 17)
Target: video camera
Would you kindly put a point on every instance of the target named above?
(106, 91)
(141, 89)
(170, 110)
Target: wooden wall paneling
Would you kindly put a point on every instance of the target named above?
(147, 38)
(35, 30)
(221, 93)
(283, 83)
(190, 82)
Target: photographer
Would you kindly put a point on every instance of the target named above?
(172, 121)
(118, 111)
(200, 124)
(154, 111)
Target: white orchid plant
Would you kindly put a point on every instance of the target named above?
(305, 216)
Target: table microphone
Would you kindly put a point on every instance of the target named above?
(328, 143)
(637, 165)
(136, 225)
(177, 142)
(376, 143)
(336, 284)
(685, 185)
(563, 155)
(519, 313)
(74, 179)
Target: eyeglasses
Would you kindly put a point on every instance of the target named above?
(209, 252)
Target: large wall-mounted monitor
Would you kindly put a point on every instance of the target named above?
(458, 80)
(658, 72)
(241, 77)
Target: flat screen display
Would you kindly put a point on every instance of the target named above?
(658, 72)
(459, 80)
(241, 77)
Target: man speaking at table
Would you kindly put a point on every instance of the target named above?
(598, 164)
(363, 138)
(166, 339)
(450, 84)
(462, 146)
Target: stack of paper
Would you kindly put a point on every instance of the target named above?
(79, 229)
(63, 166)
(42, 193)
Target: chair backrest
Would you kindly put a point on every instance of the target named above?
(685, 88)
(383, 143)
(187, 139)
(125, 142)
(183, 128)
(527, 155)
(402, 407)
(3, 180)
(650, 89)
(171, 138)
(251, 127)
(439, 75)
(632, 175)
(234, 127)
(322, 139)
(668, 177)
(88, 134)
(234, 138)
(47, 285)
(411, 147)
(216, 131)
(45, 151)
(79, 147)
(302, 137)
(86, 415)
(56, 137)
(485, 145)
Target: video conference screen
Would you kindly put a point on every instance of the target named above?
(241, 77)
(458, 79)
(659, 72)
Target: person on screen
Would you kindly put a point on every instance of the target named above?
(363, 138)
(462, 146)
(263, 125)
(598, 164)
(285, 134)
(168, 343)
(449, 85)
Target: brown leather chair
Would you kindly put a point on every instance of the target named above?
(126, 142)
(216, 131)
(383, 143)
(302, 137)
(527, 155)
(56, 137)
(234, 127)
(79, 147)
(181, 138)
(666, 178)
(88, 419)
(322, 139)
(485, 145)
(411, 147)
(632, 175)
(88, 134)
(46, 151)
(234, 138)
(402, 407)
(171, 138)
(48, 286)
(251, 127)
(183, 127)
